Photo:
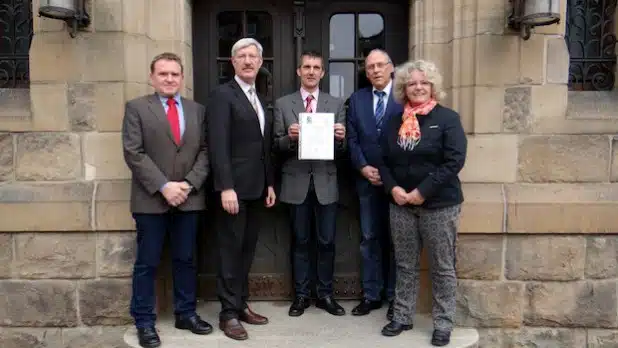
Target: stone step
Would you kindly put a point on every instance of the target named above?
(314, 329)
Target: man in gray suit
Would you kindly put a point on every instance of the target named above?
(164, 143)
(310, 186)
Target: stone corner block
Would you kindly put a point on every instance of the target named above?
(490, 304)
(479, 256)
(40, 303)
(591, 304)
(483, 209)
(491, 158)
(65, 255)
(557, 258)
(48, 157)
(105, 302)
(564, 158)
(66, 206)
(103, 158)
(562, 208)
(7, 161)
(116, 254)
(602, 257)
(113, 206)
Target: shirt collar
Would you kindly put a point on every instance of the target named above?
(386, 89)
(164, 99)
(243, 85)
(304, 94)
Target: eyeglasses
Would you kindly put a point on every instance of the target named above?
(379, 65)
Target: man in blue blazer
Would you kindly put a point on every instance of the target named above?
(368, 111)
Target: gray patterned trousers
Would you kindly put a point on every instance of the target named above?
(412, 229)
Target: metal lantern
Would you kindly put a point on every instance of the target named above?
(527, 14)
(70, 11)
(58, 9)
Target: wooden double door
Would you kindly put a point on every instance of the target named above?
(344, 32)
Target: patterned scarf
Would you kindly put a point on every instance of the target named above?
(410, 131)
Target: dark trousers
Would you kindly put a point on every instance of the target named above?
(378, 260)
(237, 237)
(152, 230)
(325, 222)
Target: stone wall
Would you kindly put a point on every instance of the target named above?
(66, 240)
(537, 265)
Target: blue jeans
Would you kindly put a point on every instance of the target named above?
(378, 262)
(151, 235)
(325, 221)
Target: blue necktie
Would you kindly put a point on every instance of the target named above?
(379, 114)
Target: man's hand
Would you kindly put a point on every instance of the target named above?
(399, 195)
(186, 187)
(339, 131)
(372, 174)
(229, 201)
(175, 193)
(293, 131)
(415, 197)
(271, 197)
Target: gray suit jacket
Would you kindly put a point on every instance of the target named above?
(154, 158)
(296, 174)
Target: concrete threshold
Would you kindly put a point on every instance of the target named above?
(314, 329)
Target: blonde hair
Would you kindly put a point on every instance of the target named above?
(403, 73)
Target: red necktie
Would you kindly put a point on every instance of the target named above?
(308, 108)
(172, 117)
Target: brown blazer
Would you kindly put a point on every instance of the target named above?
(154, 158)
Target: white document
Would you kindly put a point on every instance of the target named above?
(316, 140)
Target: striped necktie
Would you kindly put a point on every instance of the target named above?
(379, 113)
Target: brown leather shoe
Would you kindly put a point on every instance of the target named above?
(250, 317)
(233, 329)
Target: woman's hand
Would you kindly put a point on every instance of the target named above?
(399, 195)
(415, 197)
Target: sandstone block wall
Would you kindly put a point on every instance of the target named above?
(66, 237)
(536, 258)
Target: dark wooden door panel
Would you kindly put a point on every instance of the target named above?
(216, 26)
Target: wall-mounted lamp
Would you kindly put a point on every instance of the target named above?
(73, 12)
(528, 14)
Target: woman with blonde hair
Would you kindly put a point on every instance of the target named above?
(424, 151)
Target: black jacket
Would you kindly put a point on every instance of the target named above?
(433, 165)
(240, 155)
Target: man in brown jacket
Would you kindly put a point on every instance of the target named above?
(164, 143)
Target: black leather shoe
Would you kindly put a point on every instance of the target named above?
(298, 306)
(390, 311)
(194, 324)
(148, 337)
(366, 306)
(394, 328)
(440, 338)
(330, 305)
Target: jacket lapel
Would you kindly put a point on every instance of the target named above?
(242, 97)
(323, 103)
(155, 106)
(298, 105)
(391, 108)
(368, 107)
(190, 115)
